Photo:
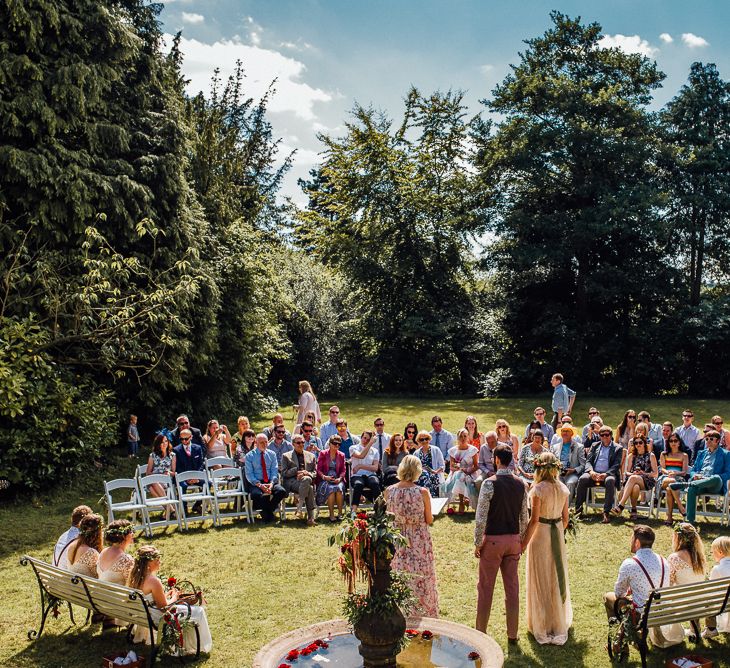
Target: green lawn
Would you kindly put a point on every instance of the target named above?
(262, 581)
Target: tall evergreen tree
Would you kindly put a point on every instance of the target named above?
(570, 177)
(392, 211)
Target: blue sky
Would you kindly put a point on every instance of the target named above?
(327, 55)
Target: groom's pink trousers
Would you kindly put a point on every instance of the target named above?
(499, 553)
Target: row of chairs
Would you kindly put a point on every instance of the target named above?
(651, 503)
(218, 492)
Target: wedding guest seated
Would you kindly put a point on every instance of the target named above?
(331, 470)
(673, 467)
(184, 423)
(410, 432)
(602, 469)
(299, 475)
(277, 421)
(593, 412)
(217, 440)
(572, 458)
(381, 438)
(461, 483)
(721, 555)
(592, 435)
(243, 425)
(391, 459)
(486, 463)
(188, 457)
(312, 442)
(686, 566)
(641, 474)
(638, 575)
(709, 475)
(545, 427)
(83, 552)
(442, 439)
(432, 464)
(310, 418)
(60, 552)
(528, 454)
(717, 423)
(504, 436)
(143, 577)
(347, 440)
(653, 432)
(246, 443)
(364, 473)
(161, 462)
(642, 429)
(329, 429)
(280, 444)
(114, 564)
(262, 474)
(566, 421)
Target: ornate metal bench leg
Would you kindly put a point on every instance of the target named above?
(33, 634)
(642, 650)
(71, 614)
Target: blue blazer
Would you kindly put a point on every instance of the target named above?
(185, 463)
(720, 467)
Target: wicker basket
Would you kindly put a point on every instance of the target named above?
(108, 661)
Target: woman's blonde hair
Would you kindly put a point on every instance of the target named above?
(306, 386)
(687, 538)
(502, 423)
(462, 435)
(547, 467)
(722, 545)
(410, 468)
(243, 418)
(145, 555)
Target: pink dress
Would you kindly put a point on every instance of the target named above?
(417, 558)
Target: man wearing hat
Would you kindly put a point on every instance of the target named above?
(571, 453)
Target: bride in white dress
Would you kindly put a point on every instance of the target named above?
(686, 566)
(144, 577)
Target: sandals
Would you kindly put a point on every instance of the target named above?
(668, 523)
(634, 516)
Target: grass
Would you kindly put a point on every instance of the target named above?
(263, 581)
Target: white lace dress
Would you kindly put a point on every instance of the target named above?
(117, 574)
(85, 564)
(680, 573)
(197, 615)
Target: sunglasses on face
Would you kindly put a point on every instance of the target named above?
(424, 440)
(307, 431)
(185, 440)
(712, 438)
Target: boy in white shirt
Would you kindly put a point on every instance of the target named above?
(721, 554)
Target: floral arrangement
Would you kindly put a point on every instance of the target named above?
(172, 641)
(573, 524)
(313, 647)
(364, 540)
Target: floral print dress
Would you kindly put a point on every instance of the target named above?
(406, 503)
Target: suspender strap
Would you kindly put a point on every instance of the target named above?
(646, 573)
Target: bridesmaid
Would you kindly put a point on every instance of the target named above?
(83, 551)
(114, 563)
(411, 506)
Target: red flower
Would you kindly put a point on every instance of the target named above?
(319, 642)
(171, 582)
(426, 635)
(284, 665)
(293, 655)
(473, 656)
(449, 511)
(306, 651)
(324, 645)
(412, 633)
(362, 516)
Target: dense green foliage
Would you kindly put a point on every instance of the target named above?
(150, 265)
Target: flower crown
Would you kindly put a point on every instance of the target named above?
(148, 555)
(685, 530)
(554, 464)
(90, 531)
(118, 531)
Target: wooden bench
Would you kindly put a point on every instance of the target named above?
(105, 598)
(669, 605)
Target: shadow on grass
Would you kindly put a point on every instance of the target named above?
(572, 653)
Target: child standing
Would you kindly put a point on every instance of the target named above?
(721, 554)
(132, 437)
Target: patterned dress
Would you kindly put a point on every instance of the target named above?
(429, 480)
(406, 503)
(463, 480)
(161, 465)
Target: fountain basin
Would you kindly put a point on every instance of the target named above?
(449, 647)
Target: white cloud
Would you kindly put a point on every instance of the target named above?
(694, 41)
(190, 17)
(486, 69)
(261, 66)
(255, 39)
(666, 38)
(628, 44)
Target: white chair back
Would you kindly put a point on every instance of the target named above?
(219, 461)
(129, 504)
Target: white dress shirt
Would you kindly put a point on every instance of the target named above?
(632, 577)
(445, 441)
(66, 537)
(372, 458)
(383, 438)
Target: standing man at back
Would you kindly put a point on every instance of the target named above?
(563, 399)
(501, 523)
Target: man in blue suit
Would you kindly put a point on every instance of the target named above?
(709, 474)
(188, 457)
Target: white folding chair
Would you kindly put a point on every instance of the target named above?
(141, 470)
(226, 485)
(163, 504)
(722, 505)
(197, 493)
(131, 503)
(219, 461)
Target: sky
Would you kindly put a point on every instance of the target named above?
(328, 55)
